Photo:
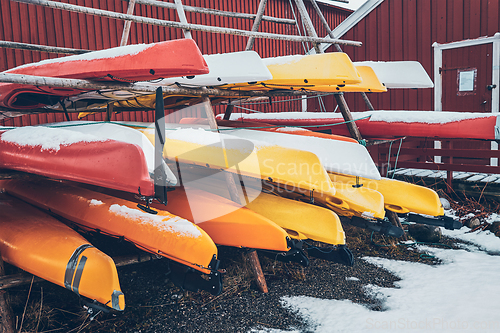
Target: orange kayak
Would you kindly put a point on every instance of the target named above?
(226, 222)
(164, 234)
(38, 243)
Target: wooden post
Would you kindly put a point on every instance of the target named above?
(346, 113)
(42, 48)
(126, 26)
(209, 11)
(253, 259)
(192, 27)
(233, 192)
(19, 279)
(394, 218)
(308, 23)
(182, 18)
(256, 23)
(109, 111)
(229, 110)
(353, 128)
(6, 317)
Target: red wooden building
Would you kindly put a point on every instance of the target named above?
(392, 30)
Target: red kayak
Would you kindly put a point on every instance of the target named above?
(262, 126)
(125, 63)
(55, 153)
(388, 124)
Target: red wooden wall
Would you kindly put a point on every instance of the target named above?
(406, 29)
(40, 25)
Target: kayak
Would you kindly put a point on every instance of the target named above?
(110, 131)
(298, 219)
(399, 74)
(163, 234)
(369, 83)
(390, 124)
(296, 173)
(224, 69)
(305, 72)
(400, 197)
(344, 156)
(261, 126)
(125, 63)
(41, 245)
(62, 154)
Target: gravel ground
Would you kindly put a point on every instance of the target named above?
(154, 304)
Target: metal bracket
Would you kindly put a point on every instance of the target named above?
(340, 254)
(382, 226)
(440, 221)
(189, 279)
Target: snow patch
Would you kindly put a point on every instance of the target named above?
(425, 117)
(114, 52)
(46, 138)
(428, 298)
(95, 202)
(174, 224)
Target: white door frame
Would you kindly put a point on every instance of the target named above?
(495, 78)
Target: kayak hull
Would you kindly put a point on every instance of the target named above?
(106, 163)
(125, 63)
(400, 197)
(163, 234)
(38, 243)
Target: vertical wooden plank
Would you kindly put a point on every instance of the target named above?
(493, 20)
(57, 28)
(425, 54)
(25, 30)
(440, 21)
(474, 19)
(16, 32)
(6, 55)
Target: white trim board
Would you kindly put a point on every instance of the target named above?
(495, 77)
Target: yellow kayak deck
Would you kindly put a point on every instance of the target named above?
(400, 197)
(370, 83)
(38, 243)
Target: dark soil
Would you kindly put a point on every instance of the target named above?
(154, 304)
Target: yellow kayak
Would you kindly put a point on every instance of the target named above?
(291, 173)
(298, 219)
(38, 243)
(400, 197)
(305, 72)
(294, 168)
(370, 83)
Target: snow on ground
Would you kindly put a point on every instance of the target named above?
(460, 295)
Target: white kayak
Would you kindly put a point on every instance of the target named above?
(399, 74)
